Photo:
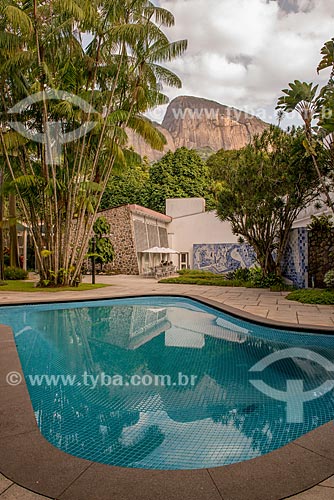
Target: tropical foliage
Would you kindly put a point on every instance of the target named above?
(182, 174)
(103, 247)
(262, 188)
(109, 55)
(316, 108)
(127, 185)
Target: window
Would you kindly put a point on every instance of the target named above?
(184, 260)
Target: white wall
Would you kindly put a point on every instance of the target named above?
(180, 207)
(305, 216)
(184, 232)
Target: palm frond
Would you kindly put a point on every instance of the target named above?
(18, 19)
(148, 132)
(327, 52)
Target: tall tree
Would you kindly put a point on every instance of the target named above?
(316, 108)
(127, 185)
(303, 98)
(118, 77)
(263, 188)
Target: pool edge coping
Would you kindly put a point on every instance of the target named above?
(233, 311)
(274, 459)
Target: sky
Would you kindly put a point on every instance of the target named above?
(242, 53)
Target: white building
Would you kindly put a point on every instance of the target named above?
(191, 225)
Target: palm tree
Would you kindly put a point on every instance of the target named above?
(303, 98)
(327, 60)
(119, 75)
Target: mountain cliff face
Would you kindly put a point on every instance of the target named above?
(203, 125)
(140, 146)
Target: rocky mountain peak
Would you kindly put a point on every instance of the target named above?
(201, 124)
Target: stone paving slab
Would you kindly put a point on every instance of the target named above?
(15, 492)
(4, 483)
(316, 493)
(140, 484)
(329, 482)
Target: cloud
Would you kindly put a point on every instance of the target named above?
(243, 52)
(295, 5)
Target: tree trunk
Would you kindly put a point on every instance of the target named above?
(2, 265)
(14, 250)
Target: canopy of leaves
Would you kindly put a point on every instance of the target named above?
(316, 108)
(127, 185)
(182, 174)
(262, 188)
(120, 75)
(102, 247)
(327, 53)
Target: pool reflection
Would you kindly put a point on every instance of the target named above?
(220, 418)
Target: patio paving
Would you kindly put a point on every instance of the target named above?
(259, 302)
(263, 304)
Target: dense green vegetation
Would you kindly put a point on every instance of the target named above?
(127, 185)
(249, 278)
(104, 250)
(262, 188)
(182, 174)
(313, 296)
(314, 104)
(108, 87)
(15, 273)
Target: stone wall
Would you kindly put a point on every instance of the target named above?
(321, 256)
(122, 238)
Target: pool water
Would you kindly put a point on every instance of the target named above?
(117, 409)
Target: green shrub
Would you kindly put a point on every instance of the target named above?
(282, 287)
(240, 278)
(260, 280)
(217, 281)
(321, 224)
(243, 274)
(15, 273)
(313, 296)
(329, 279)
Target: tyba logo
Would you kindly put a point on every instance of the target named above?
(294, 396)
(53, 136)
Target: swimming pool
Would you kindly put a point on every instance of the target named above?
(163, 382)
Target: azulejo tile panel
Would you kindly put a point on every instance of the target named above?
(295, 261)
(223, 257)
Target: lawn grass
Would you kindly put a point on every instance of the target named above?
(313, 296)
(208, 281)
(29, 286)
(194, 277)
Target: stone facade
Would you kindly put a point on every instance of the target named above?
(321, 256)
(134, 229)
(123, 240)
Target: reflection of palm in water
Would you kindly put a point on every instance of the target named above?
(75, 425)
